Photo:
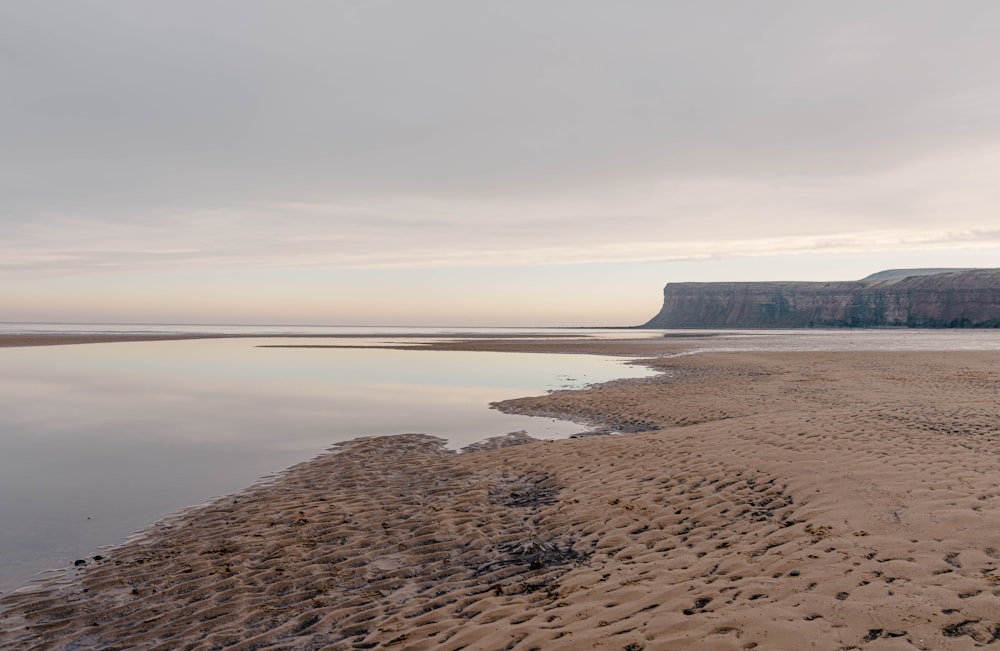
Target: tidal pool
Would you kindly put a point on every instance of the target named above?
(98, 441)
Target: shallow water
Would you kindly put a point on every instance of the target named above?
(383, 332)
(100, 440)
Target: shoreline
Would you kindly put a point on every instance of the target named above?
(19, 340)
(11, 340)
(774, 500)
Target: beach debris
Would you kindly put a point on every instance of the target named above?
(510, 439)
(966, 627)
(533, 552)
(589, 433)
(536, 553)
(525, 491)
(699, 606)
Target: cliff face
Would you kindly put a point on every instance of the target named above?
(916, 298)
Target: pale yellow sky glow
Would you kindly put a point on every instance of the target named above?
(376, 163)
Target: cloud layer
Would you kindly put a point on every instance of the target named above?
(941, 204)
(142, 136)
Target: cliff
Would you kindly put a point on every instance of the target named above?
(916, 298)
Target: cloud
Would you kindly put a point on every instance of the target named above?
(701, 219)
(190, 104)
(229, 135)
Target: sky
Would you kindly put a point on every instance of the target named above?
(453, 162)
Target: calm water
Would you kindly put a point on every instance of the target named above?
(334, 331)
(99, 441)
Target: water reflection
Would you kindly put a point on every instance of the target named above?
(97, 441)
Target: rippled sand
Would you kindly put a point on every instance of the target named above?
(766, 500)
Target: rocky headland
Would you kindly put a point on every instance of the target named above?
(915, 298)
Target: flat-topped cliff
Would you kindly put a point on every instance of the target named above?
(916, 298)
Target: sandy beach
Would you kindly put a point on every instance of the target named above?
(763, 501)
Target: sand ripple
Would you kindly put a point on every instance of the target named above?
(785, 501)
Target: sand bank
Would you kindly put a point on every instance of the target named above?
(773, 501)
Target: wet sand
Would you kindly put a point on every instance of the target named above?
(765, 500)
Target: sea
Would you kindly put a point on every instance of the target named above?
(98, 441)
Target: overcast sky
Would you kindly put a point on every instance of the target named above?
(536, 162)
